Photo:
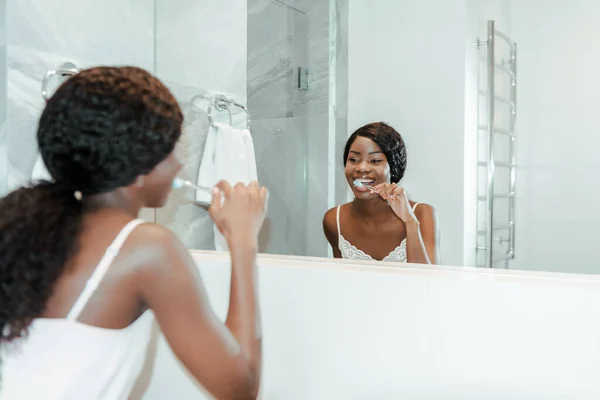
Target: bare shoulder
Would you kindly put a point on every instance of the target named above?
(153, 234)
(153, 245)
(330, 224)
(159, 260)
(423, 210)
(330, 229)
(329, 219)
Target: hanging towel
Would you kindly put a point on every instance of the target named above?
(228, 155)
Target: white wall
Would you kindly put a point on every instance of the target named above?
(557, 130)
(335, 330)
(407, 67)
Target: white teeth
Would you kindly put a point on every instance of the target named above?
(363, 183)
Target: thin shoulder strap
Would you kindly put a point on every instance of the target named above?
(338, 221)
(415, 206)
(101, 269)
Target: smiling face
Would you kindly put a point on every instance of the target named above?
(367, 164)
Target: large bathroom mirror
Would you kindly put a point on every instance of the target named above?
(437, 69)
(302, 75)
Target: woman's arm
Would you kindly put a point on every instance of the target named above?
(331, 232)
(422, 245)
(420, 224)
(225, 359)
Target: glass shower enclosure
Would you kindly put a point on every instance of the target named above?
(277, 97)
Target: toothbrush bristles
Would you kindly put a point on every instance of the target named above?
(361, 184)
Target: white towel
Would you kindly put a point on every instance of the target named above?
(228, 155)
(39, 170)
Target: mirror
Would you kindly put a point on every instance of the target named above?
(447, 75)
(429, 61)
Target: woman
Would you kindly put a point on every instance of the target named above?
(381, 223)
(82, 278)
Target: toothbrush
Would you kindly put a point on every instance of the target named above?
(179, 183)
(363, 185)
(360, 184)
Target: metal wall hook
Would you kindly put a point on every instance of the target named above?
(221, 103)
(65, 69)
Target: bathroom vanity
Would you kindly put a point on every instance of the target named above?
(335, 329)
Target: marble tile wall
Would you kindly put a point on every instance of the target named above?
(200, 50)
(340, 108)
(277, 46)
(40, 36)
(291, 125)
(281, 167)
(318, 113)
(272, 60)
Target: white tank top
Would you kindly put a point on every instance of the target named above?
(351, 252)
(62, 359)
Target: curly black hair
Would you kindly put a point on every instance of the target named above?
(390, 142)
(101, 129)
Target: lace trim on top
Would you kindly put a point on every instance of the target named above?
(351, 252)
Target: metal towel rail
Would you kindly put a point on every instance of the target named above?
(491, 165)
(221, 103)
